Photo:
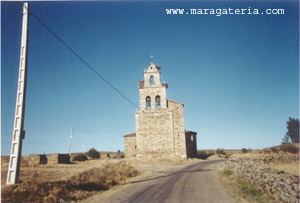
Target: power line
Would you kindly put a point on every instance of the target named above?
(101, 132)
(79, 57)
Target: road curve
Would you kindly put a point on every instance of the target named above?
(194, 183)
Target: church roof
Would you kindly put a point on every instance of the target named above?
(141, 84)
(175, 102)
(189, 131)
(165, 85)
(130, 135)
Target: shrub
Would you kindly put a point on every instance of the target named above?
(93, 153)
(244, 150)
(80, 157)
(275, 150)
(108, 155)
(227, 172)
(78, 187)
(267, 151)
(221, 151)
(289, 148)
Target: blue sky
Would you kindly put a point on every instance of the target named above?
(238, 75)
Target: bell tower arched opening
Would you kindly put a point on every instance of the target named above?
(148, 102)
(157, 102)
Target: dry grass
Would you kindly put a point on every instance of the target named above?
(158, 164)
(73, 182)
(275, 158)
(58, 183)
(240, 189)
(291, 168)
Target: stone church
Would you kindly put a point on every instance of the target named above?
(159, 122)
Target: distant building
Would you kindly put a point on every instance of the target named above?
(159, 123)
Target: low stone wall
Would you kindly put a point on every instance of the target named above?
(37, 159)
(281, 186)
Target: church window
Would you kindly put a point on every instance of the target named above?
(157, 102)
(148, 102)
(192, 138)
(152, 80)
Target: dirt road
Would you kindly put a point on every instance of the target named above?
(193, 183)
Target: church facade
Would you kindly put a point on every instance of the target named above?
(159, 122)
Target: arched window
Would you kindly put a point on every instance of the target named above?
(151, 80)
(157, 102)
(148, 102)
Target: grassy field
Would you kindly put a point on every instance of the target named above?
(283, 158)
(65, 182)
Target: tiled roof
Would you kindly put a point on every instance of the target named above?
(175, 101)
(130, 135)
(141, 84)
(189, 131)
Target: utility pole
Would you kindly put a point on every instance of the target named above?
(70, 142)
(18, 131)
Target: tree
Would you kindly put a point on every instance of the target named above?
(80, 157)
(93, 153)
(285, 139)
(244, 150)
(293, 129)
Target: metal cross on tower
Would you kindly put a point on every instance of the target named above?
(18, 131)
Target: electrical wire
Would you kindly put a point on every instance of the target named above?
(97, 132)
(78, 56)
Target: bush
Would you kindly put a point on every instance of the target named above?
(221, 151)
(227, 172)
(80, 157)
(267, 151)
(93, 153)
(275, 150)
(289, 148)
(79, 186)
(204, 154)
(244, 150)
(108, 155)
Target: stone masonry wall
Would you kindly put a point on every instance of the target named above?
(130, 146)
(154, 133)
(281, 186)
(49, 159)
(178, 128)
(191, 144)
(153, 92)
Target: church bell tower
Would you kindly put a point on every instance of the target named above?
(153, 94)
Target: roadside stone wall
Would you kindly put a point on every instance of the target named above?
(281, 186)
